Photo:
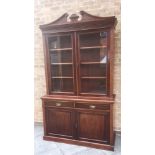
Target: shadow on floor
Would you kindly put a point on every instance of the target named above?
(53, 148)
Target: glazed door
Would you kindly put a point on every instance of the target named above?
(59, 122)
(60, 53)
(93, 126)
(93, 62)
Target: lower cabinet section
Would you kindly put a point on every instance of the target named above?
(81, 123)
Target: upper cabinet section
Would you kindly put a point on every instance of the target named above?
(78, 55)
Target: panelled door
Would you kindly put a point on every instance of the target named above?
(93, 126)
(60, 122)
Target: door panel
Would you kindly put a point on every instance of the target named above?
(60, 49)
(93, 49)
(59, 122)
(93, 126)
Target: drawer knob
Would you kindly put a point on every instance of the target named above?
(58, 104)
(92, 106)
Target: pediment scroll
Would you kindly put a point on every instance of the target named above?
(82, 16)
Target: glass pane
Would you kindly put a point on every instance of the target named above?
(64, 56)
(93, 39)
(93, 62)
(95, 86)
(57, 42)
(62, 85)
(60, 48)
(62, 70)
(93, 70)
(62, 78)
(94, 55)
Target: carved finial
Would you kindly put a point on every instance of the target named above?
(75, 17)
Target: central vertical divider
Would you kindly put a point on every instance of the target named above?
(77, 82)
(73, 63)
(59, 61)
(76, 62)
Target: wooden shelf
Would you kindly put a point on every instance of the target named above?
(61, 49)
(91, 63)
(93, 47)
(90, 93)
(62, 63)
(60, 92)
(62, 77)
(93, 77)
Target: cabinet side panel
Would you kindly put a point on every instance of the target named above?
(46, 62)
(44, 118)
(111, 55)
(111, 125)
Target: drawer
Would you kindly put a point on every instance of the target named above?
(59, 103)
(92, 106)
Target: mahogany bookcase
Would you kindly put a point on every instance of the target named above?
(78, 106)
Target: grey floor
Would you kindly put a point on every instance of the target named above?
(52, 148)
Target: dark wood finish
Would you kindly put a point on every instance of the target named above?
(87, 22)
(59, 122)
(94, 106)
(59, 104)
(91, 99)
(46, 60)
(93, 126)
(78, 107)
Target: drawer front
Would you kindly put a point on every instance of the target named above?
(92, 106)
(59, 104)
